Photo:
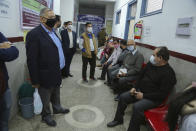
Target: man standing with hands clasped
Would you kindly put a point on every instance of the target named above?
(45, 60)
(89, 51)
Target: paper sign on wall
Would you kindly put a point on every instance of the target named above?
(30, 9)
(5, 8)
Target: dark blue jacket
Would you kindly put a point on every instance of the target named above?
(6, 55)
(66, 41)
(42, 59)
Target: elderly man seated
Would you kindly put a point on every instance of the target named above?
(130, 68)
(154, 84)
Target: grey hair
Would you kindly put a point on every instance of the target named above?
(43, 11)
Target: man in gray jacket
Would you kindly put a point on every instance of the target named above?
(130, 68)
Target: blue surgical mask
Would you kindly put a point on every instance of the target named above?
(131, 48)
(152, 60)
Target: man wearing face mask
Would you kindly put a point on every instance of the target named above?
(57, 26)
(64, 27)
(69, 47)
(112, 59)
(89, 52)
(154, 84)
(45, 60)
(132, 64)
(123, 46)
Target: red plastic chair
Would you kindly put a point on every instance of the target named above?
(156, 117)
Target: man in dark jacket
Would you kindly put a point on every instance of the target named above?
(69, 46)
(45, 60)
(8, 52)
(154, 84)
(102, 37)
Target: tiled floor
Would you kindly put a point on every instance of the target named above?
(95, 96)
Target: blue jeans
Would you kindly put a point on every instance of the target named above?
(5, 106)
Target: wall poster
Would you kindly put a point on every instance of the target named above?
(29, 12)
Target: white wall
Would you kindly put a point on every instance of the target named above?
(162, 26)
(10, 26)
(56, 6)
(67, 10)
(109, 11)
(119, 29)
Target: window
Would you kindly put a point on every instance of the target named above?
(151, 7)
(133, 9)
(118, 15)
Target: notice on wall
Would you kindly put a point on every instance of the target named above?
(147, 31)
(30, 9)
(97, 21)
(5, 8)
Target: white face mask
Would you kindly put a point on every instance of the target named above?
(130, 48)
(152, 60)
(111, 40)
(69, 27)
(90, 29)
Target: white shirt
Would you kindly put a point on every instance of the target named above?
(70, 39)
(92, 45)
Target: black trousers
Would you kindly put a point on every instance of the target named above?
(109, 72)
(92, 62)
(5, 107)
(139, 107)
(105, 69)
(50, 95)
(68, 59)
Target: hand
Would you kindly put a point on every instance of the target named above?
(5, 45)
(105, 63)
(122, 74)
(138, 95)
(118, 75)
(83, 50)
(36, 86)
(110, 66)
(106, 56)
(132, 91)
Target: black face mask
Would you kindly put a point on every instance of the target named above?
(50, 22)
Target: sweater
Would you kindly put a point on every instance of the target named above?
(6, 55)
(156, 82)
(133, 63)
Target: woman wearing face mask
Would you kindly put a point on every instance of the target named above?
(89, 52)
(182, 110)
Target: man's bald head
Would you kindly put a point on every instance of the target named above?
(131, 43)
